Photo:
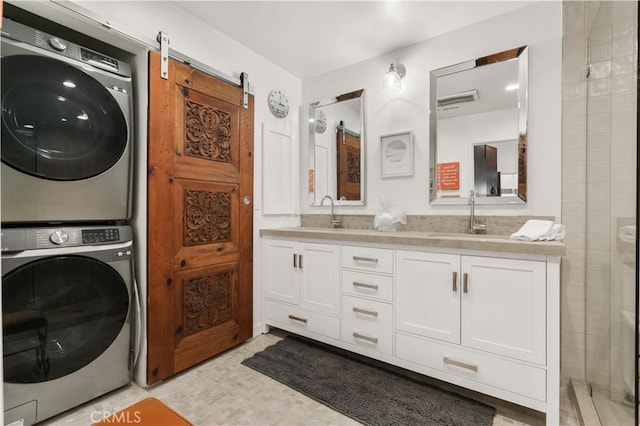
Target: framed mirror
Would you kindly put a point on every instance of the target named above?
(337, 149)
(478, 130)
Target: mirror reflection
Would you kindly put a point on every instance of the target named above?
(336, 151)
(478, 133)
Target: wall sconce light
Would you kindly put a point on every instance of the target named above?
(393, 77)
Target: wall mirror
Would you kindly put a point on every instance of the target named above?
(337, 150)
(478, 130)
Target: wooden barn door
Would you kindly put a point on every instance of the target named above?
(200, 218)
(348, 166)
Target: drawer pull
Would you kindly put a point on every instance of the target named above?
(455, 282)
(295, 260)
(365, 311)
(461, 364)
(300, 261)
(365, 337)
(365, 285)
(294, 318)
(365, 259)
(465, 282)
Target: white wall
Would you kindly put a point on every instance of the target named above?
(539, 26)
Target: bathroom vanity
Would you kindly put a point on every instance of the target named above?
(478, 311)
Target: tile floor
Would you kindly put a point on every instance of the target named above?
(222, 391)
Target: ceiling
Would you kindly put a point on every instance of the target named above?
(309, 38)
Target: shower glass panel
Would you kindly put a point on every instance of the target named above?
(611, 210)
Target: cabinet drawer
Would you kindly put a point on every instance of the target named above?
(368, 259)
(484, 368)
(365, 284)
(296, 317)
(367, 323)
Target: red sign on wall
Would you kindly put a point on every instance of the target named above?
(448, 176)
(312, 180)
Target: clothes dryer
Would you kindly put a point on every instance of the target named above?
(67, 316)
(67, 130)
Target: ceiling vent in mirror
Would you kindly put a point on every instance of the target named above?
(457, 98)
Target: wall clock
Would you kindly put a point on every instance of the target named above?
(278, 104)
(321, 122)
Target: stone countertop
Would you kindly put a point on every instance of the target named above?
(486, 242)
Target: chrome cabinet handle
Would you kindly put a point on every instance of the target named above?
(461, 364)
(465, 282)
(294, 318)
(300, 261)
(455, 282)
(365, 337)
(365, 259)
(365, 311)
(295, 260)
(365, 285)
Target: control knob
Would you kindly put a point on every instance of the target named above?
(57, 44)
(58, 237)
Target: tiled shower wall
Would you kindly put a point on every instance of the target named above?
(598, 178)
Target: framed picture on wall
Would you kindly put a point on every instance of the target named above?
(397, 154)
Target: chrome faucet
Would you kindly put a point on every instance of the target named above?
(334, 223)
(474, 227)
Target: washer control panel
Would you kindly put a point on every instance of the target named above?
(19, 239)
(105, 235)
(59, 237)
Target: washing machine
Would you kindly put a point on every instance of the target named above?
(67, 130)
(68, 317)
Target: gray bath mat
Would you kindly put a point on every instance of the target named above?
(368, 394)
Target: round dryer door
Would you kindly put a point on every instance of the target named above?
(58, 122)
(58, 315)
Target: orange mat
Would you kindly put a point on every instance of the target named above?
(148, 412)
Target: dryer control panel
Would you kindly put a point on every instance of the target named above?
(20, 239)
(19, 32)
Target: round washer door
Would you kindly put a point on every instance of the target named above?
(58, 122)
(58, 315)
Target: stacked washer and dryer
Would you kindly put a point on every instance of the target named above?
(68, 292)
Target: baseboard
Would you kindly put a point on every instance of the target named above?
(580, 396)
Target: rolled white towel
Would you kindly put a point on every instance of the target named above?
(533, 230)
(627, 234)
(557, 232)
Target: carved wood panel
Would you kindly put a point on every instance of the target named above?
(353, 167)
(207, 132)
(207, 301)
(207, 217)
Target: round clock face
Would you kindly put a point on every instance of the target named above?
(321, 122)
(278, 104)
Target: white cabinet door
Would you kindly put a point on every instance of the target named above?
(280, 272)
(320, 277)
(428, 294)
(504, 307)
